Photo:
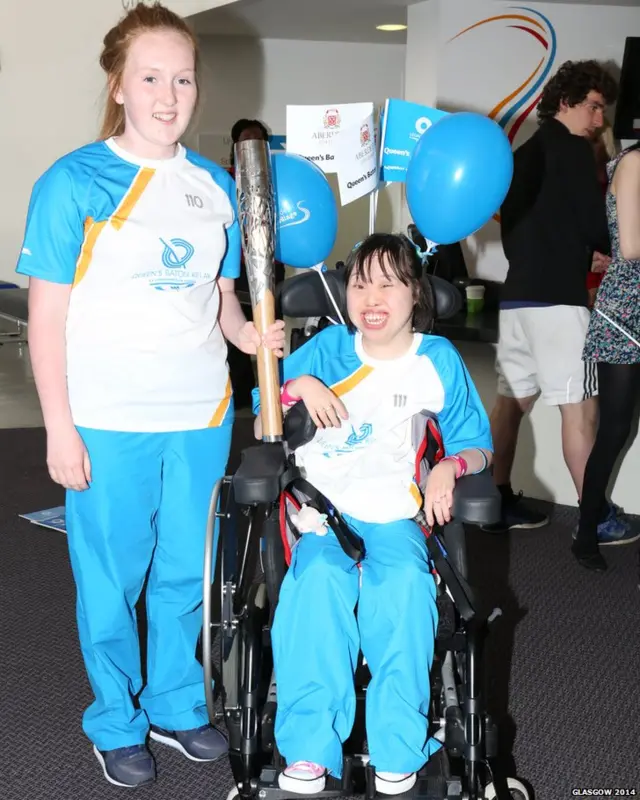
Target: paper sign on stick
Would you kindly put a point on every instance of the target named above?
(312, 130)
(356, 159)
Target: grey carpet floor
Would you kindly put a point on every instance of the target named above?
(562, 661)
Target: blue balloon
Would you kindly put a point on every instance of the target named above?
(306, 211)
(458, 175)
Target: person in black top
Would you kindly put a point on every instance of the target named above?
(553, 225)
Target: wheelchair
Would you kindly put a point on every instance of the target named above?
(251, 506)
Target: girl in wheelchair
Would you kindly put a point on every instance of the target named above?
(363, 384)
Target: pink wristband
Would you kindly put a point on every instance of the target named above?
(461, 465)
(286, 398)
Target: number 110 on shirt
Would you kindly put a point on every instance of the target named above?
(193, 201)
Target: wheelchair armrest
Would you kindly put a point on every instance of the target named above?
(258, 479)
(476, 500)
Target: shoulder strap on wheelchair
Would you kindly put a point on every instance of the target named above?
(350, 542)
(450, 576)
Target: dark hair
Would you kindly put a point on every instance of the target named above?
(572, 83)
(397, 255)
(240, 127)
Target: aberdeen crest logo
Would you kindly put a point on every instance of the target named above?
(331, 119)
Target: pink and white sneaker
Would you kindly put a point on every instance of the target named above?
(395, 782)
(303, 777)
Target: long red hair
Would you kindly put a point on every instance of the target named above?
(142, 18)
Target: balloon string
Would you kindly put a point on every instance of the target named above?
(432, 248)
(320, 269)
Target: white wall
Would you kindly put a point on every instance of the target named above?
(422, 53)
(51, 94)
(255, 78)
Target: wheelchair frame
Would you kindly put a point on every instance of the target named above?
(465, 766)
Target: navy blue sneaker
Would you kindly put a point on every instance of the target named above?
(205, 743)
(516, 514)
(616, 529)
(127, 766)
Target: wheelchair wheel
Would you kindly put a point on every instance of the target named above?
(517, 790)
(207, 662)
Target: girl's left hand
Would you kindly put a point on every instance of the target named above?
(438, 496)
(249, 339)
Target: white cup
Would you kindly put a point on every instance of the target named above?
(475, 292)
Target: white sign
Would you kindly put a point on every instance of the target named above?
(312, 130)
(356, 159)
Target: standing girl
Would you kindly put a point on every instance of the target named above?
(132, 246)
(613, 344)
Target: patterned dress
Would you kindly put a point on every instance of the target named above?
(615, 320)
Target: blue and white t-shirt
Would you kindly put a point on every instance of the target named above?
(366, 468)
(143, 243)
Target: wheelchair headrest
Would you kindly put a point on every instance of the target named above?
(305, 295)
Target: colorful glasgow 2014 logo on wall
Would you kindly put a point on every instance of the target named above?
(514, 109)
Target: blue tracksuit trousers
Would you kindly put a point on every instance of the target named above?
(317, 635)
(143, 517)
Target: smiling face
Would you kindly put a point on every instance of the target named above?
(158, 92)
(381, 307)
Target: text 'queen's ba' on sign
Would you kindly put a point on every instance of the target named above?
(357, 159)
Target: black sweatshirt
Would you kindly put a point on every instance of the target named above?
(552, 219)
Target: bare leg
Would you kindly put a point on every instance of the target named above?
(505, 425)
(579, 425)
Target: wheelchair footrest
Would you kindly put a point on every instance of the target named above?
(436, 787)
(434, 782)
(268, 788)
